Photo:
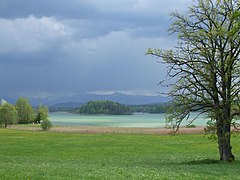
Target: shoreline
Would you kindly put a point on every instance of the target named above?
(112, 130)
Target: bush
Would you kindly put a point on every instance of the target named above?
(191, 126)
(46, 125)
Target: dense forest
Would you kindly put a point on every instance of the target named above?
(104, 107)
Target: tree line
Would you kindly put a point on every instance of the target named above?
(22, 113)
(114, 108)
(149, 108)
(104, 107)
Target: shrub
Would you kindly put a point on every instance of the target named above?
(191, 126)
(46, 125)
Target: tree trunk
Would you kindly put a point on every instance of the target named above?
(224, 143)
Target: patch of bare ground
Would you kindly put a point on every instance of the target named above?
(112, 130)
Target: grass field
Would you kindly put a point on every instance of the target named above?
(51, 155)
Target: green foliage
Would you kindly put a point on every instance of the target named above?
(41, 113)
(205, 66)
(149, 108)
(191, 126)
(37, 155)
(8, 114)
(211, 129)
(25, 111)
(46, 124)
(104, 107)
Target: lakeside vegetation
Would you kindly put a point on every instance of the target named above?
(145, 108)
(47, 155)
(23, 113)
(104, 107)
(149, 108)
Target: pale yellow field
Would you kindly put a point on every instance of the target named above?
(111, 130)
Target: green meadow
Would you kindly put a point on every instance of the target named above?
(49, 155)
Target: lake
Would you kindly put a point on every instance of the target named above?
(135, 120)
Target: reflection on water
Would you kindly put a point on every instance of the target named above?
(135, 120)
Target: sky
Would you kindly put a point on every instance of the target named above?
(67, 47)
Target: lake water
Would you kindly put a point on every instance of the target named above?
(135, 120)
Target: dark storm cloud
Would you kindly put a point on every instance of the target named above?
(127, 13)
(57, 8)
(71, 46)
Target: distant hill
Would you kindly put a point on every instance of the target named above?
(78, 99)
(67, 107)
(121, 98)
(68, 104)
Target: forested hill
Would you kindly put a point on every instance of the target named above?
(104, 107)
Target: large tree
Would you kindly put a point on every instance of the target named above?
(25, 111)
(205, 66)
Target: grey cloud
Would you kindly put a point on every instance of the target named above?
(62, 47)
(65, 9)
(88, 9)
(32, 40)
(31, 33)
(145, 12)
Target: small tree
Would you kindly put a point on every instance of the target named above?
(8, 114)
(25, 111)
(206, 65)
(42, 117)
(41, 113)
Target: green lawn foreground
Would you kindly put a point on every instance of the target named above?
(48, 155)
